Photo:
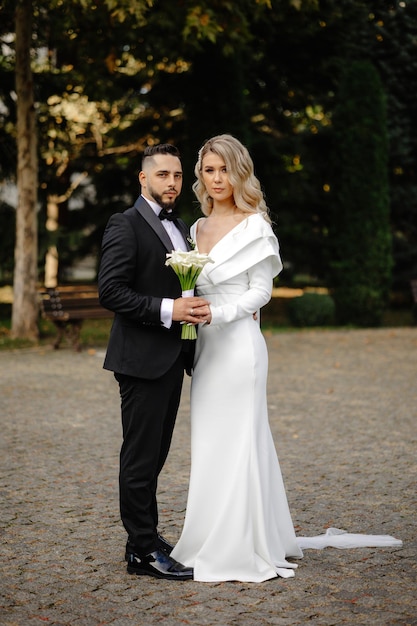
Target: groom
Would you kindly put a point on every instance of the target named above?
(145, 350)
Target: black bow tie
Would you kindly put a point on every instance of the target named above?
(165, 215)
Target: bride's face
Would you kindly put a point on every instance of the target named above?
(216, 178)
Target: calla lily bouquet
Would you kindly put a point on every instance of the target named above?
(187, 266)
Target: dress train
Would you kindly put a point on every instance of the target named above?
(338, 538)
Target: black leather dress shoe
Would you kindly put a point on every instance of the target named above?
(165, 545)
(159, 565)
(162, 543)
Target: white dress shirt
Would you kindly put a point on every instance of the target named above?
(178, 243)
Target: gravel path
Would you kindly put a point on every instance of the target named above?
(343, 408)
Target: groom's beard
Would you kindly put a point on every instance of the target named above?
(168, 205)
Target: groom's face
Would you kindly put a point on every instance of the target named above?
(161, 179)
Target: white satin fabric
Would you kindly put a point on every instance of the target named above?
(338, 538)
(237, 525)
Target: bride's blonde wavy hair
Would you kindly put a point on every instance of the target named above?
(247, 192)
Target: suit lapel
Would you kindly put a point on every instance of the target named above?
(154, 222)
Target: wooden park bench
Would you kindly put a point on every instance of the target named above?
(67, 307)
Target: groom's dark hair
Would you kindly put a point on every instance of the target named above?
(161, 148)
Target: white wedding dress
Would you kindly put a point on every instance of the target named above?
(237, 525)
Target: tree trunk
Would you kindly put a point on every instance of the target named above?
(25, 306)
(51, 257)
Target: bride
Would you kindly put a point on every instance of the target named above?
(237, 525)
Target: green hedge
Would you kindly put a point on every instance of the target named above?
(312, 309)
(361, 262)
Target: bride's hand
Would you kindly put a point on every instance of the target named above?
(203, 313)
(189, 309)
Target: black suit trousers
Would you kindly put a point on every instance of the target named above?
(149, 409)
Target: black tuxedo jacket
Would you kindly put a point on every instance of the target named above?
(133, 279)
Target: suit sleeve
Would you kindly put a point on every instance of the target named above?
(117, 274)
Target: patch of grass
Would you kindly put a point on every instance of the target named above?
(13, 344)
(396, 317)
(94, 334)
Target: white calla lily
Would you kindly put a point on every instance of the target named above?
(187, 266)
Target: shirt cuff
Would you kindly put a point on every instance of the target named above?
(167, 307)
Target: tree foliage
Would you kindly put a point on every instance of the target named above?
(112, 76)
(361, 260)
